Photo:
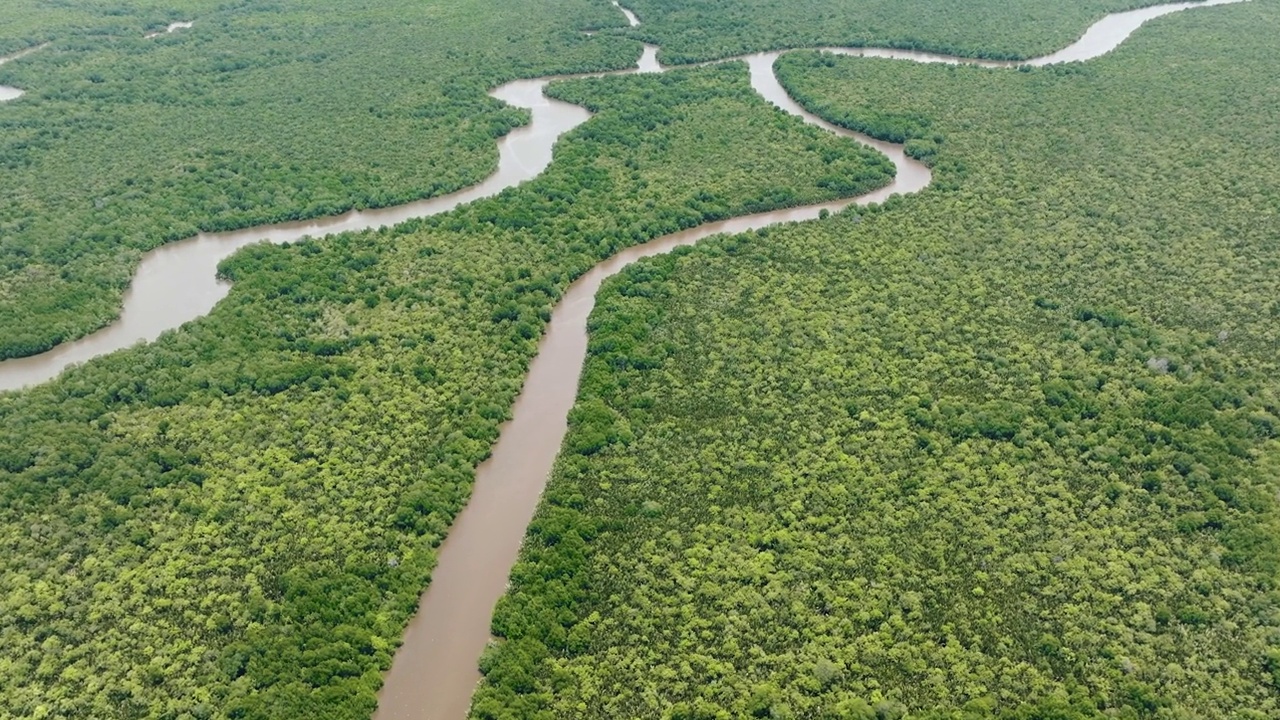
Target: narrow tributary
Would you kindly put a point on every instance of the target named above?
(172, 27)
(12, 93)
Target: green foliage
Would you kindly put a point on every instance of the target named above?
(692, 30)
(261, 112)
(1004, 449)
(237, 520)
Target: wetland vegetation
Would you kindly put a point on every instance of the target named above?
(259, 113)
(237, 520)
(1003, 449)
(1007, 448)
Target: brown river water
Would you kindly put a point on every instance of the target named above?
(13, 93)
(434, 671)
(180, 25)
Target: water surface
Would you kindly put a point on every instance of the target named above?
(180, 25)
(13, 93)
(434, 673)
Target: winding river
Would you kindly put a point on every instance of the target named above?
(13, 93)
(177, 282)
(434, 672)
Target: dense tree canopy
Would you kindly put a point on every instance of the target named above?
(1007, 448)
(258, 113)
(237, 520)
(1003, 449)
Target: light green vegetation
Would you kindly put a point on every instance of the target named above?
(237, 520)
(259, 113)
(1006, 448)
(30, 22)
(691, 30)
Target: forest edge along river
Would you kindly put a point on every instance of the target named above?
(177, 282)
(434, 672)
(12, 93)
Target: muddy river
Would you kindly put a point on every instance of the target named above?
(435, 671)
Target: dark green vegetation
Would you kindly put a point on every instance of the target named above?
(691, 30)
(261, 112)
(31, 22)
(265, 112)
(1007, 448)
(237, 520)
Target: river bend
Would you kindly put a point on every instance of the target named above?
(434, 673)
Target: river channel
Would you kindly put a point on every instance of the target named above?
(172, 27)
(177, 282)
(435, 670)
